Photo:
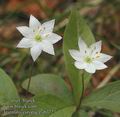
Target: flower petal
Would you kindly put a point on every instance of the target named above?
(35, 52)
(34, 23)
(75, 54)
(48, 47)
(82, 45)
(99, 65)
(53, 38)
(84, 50)
(103, 57)
(90, 68)
(25, 31)
(80, 65)
(25, 43)
(96, 47)
(47, 27)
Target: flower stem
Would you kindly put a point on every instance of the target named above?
(76, 113)
(82, 93)
(28, 86)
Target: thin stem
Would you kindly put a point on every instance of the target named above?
(28, 87)
(76, 114)
(79, 105)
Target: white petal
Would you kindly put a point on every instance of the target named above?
(90, 68)
(48, 47)
(35, 52)
(53, 38)
(34, 23)
(96, 47)
(82, 45)
(80, 65)
(48, 26)
(99, 65)
(103, 57)
(25, 31)
(75, 54)
(25, 43)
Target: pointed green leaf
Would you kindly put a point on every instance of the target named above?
(75, 28)
(80, 113)
(65, 112)
(49, 84)
(44, 106)
(107, 97)
(8, 92)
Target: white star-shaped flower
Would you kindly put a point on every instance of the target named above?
(38, 37)
(89, 58)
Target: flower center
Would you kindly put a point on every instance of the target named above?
(88, 59)
(38, 37)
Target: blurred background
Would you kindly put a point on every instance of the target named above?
(103, 17)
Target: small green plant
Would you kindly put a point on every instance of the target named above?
(52, 97)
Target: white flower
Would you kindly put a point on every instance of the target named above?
(89, 58)
(38, 37)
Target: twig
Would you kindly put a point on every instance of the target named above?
(109, 76)
(61, 24)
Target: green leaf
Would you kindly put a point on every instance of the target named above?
(83, 113)
(8, 92)
(65, 112)
(80, 113)
(44, 106)
(75, 28)
(49, 84)
(107, 97)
